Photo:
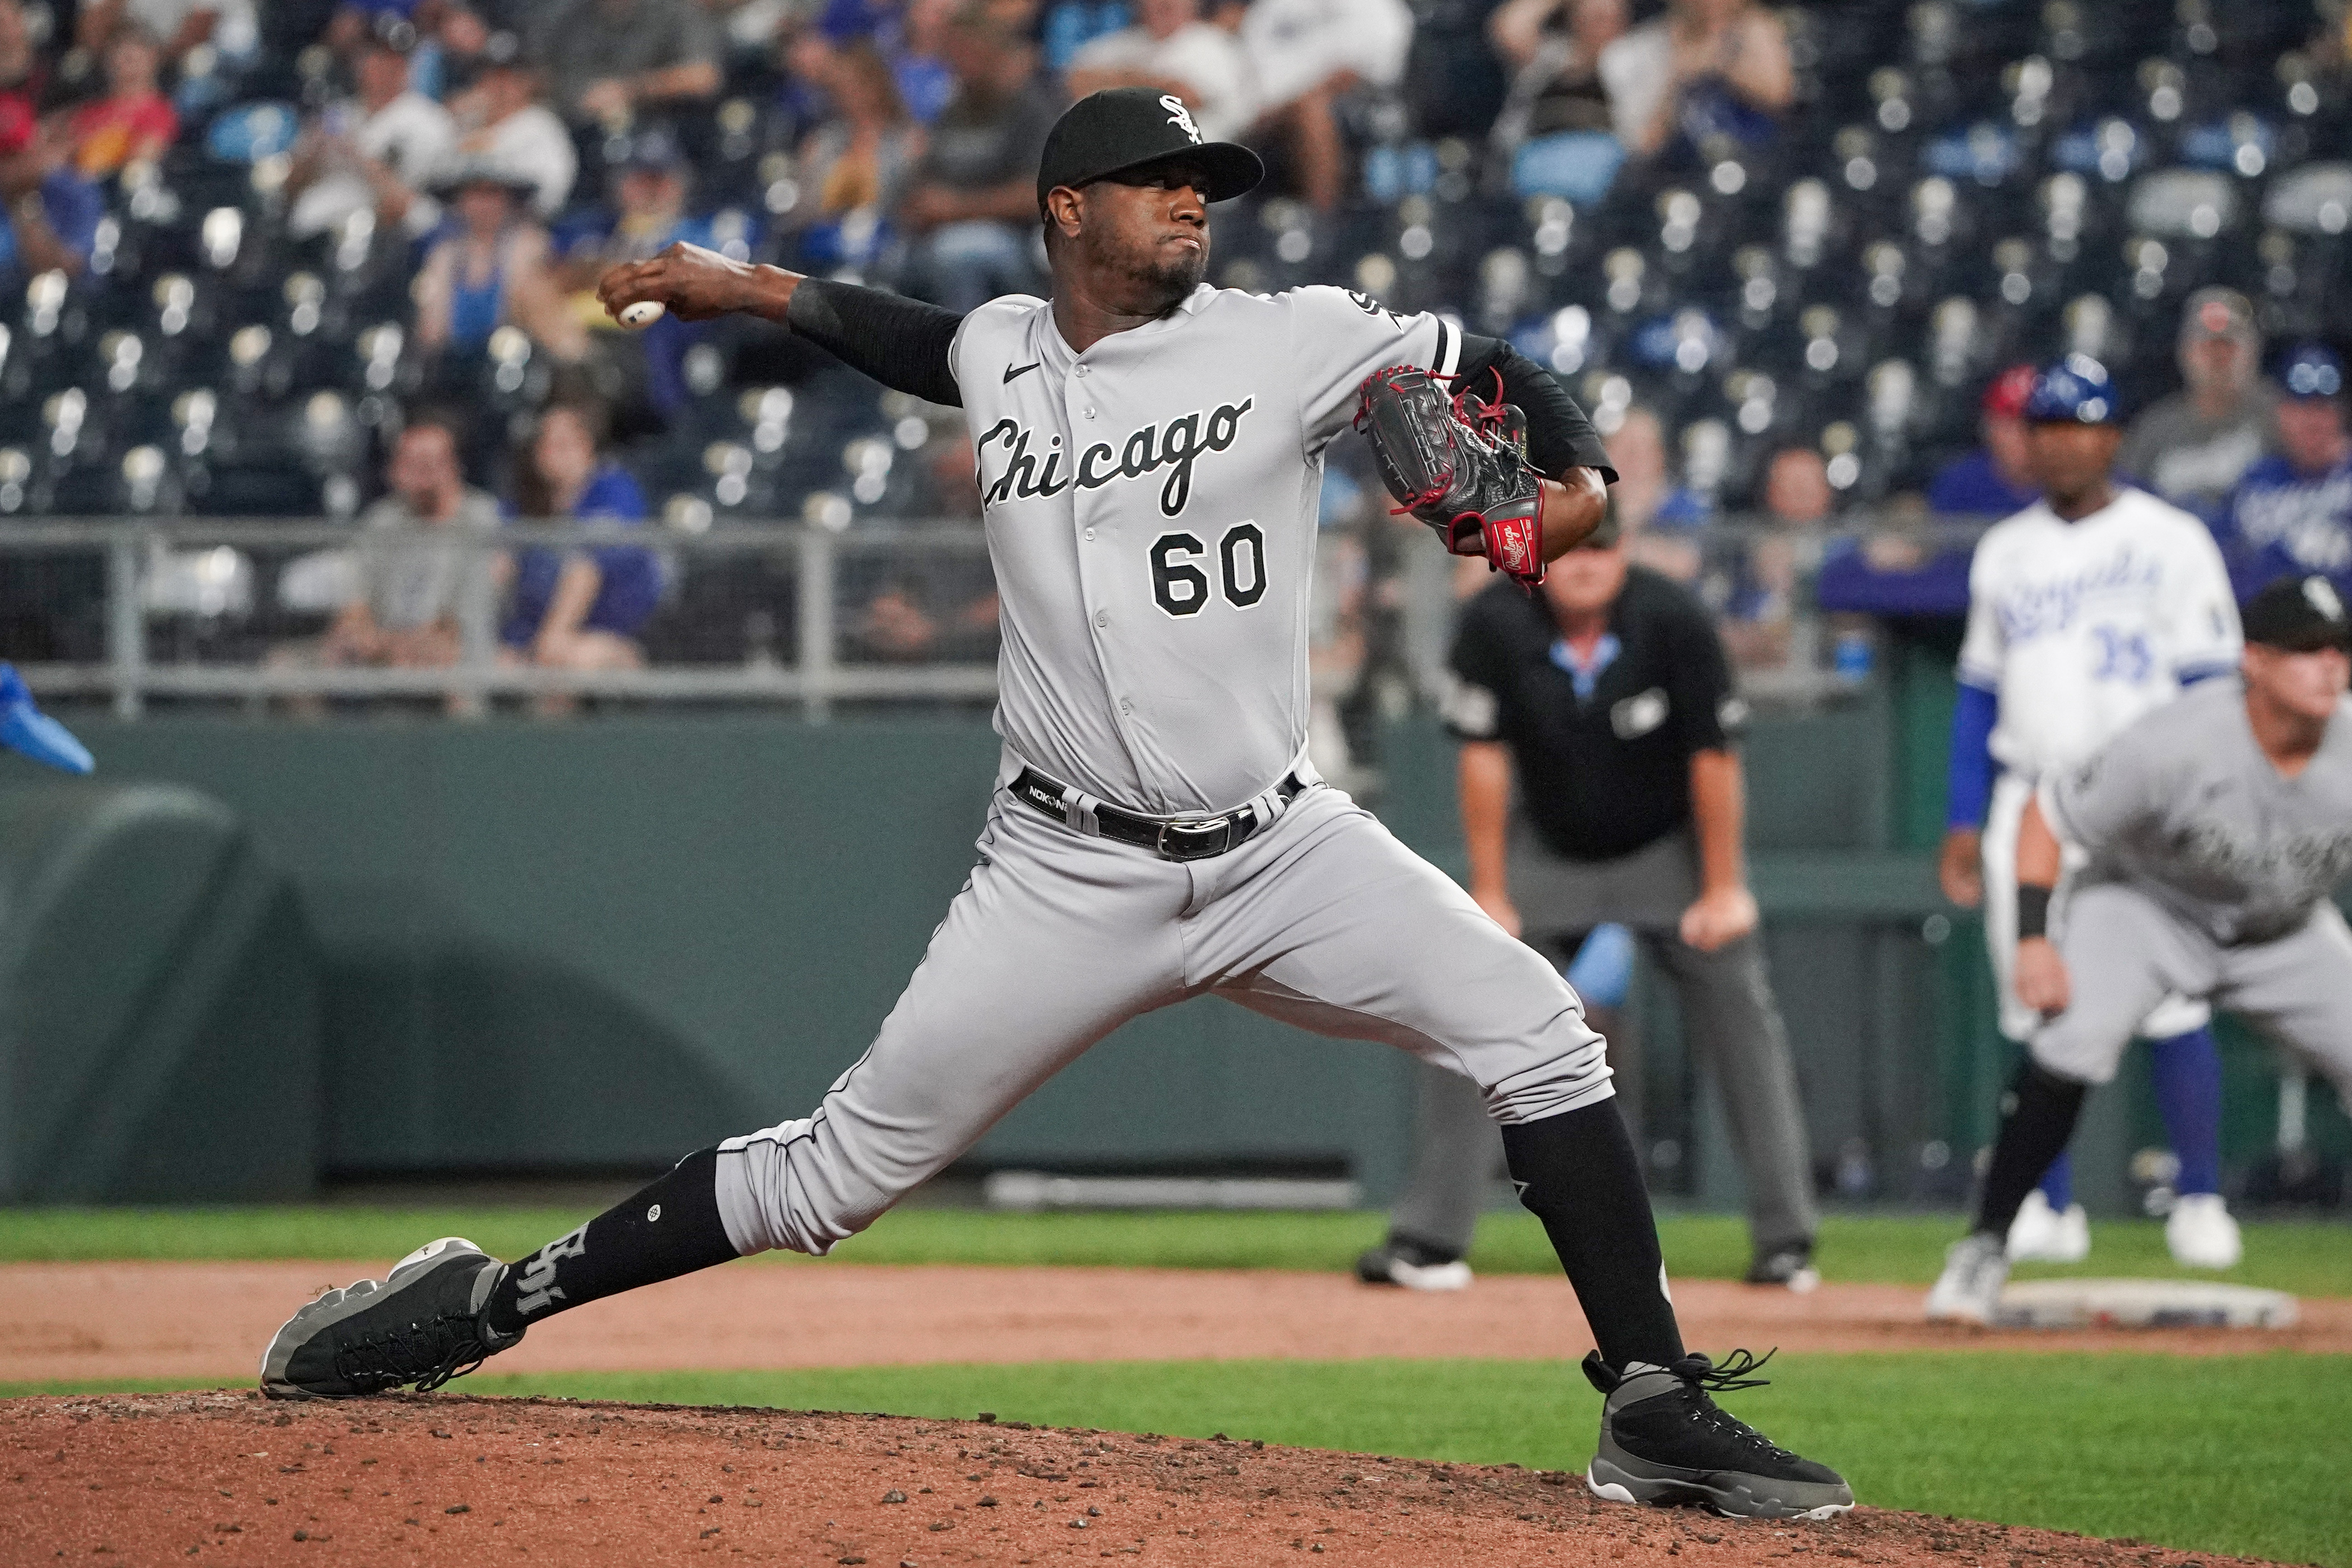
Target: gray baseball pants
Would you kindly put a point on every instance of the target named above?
(1322, 920)
(1729, 1018)
(2124, 950)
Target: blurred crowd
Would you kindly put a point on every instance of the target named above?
(509, 152)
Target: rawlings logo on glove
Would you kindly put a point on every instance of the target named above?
(1459, 464)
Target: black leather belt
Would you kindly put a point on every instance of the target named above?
(1195, 839)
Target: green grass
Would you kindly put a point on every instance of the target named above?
(2306, 1257)
(2242, 1454)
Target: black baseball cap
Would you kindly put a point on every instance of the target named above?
(2299, 615)
(1124, 128)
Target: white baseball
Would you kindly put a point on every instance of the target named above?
(641, 315)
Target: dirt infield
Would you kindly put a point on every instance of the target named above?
(443, 1478)
(206, 1320)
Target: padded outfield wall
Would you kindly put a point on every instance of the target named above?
(598, 944)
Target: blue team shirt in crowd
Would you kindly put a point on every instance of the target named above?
(632, 575)
(1969, 486)
(74, 208)
(1972, 486)
(2279, 522)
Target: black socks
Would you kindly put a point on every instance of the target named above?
(1577, 1173)
(2037, 1117)
(668, 1229)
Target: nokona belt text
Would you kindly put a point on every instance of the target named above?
(1194, 838)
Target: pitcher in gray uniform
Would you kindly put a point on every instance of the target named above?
(1150, 452)
(2216, 828)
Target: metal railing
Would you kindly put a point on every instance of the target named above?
(159, 571)
(195, 609)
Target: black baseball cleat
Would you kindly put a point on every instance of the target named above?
(1665, 1440)
(422, 1326)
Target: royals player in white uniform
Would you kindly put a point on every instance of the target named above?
(2086, 610)
(1150, 451)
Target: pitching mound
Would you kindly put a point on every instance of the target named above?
(446, 1478)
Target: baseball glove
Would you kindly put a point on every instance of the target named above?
(1458, 463)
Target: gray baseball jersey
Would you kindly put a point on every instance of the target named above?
(1152, 511)
(2185, 804)
(2208, 876)
(1151, 507)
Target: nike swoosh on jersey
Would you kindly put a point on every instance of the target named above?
(1021, 369)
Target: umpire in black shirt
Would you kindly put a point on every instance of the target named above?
(1608, 700)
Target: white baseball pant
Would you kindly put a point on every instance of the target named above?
(1322, 920)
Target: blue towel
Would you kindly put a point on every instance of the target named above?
(25, 730)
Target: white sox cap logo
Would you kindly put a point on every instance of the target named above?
(1180, 117)
(2320, 594)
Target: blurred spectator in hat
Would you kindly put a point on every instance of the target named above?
(2192, 447)
(607, 61)
(1706, 68)
(1169, 49)
(970, 209)
(24, 70)
(578, 609)
(379, 150)
(501, 121)
(2291, 513)
(134, 119)
(53, 213)
(1993, 481)
(856, 165)
(492, 270)
(646, 212)
(1306, 56)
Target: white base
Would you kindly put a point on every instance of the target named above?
(2142, 1304)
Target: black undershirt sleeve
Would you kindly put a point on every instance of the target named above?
(1559, 436)
(901, 342)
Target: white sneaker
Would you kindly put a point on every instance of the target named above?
(2201, 1233)
(1975, 1269)
(2041, 1234)
(1382, 1267)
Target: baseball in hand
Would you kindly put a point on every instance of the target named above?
(641, 315)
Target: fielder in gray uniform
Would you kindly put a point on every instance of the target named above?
(1150, 453)
(2216, 830)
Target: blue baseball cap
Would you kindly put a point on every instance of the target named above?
(2077, 390)
(2312, 371)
